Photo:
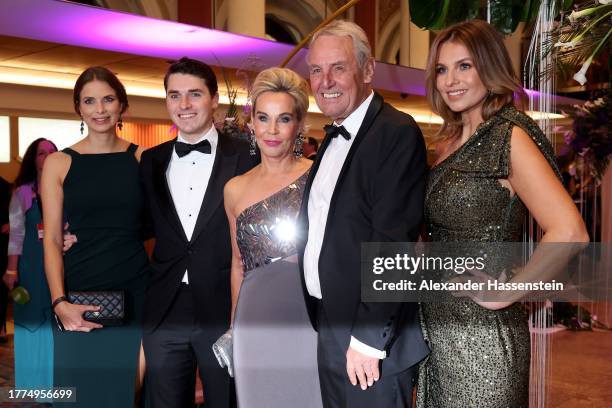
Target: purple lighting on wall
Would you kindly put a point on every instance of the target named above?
(92, 27)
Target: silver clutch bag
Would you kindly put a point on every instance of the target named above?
(224, 353)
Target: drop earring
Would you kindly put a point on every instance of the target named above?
(252, 143)
(82, 126)
(120, 123)
(299, 141)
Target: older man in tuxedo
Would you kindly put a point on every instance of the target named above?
(367, 185)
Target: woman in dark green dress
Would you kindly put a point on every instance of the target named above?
(94, 186)
(493, 165)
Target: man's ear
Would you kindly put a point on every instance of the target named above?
(215, 101)
(368, 70)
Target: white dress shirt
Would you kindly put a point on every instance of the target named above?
(319, 199)
(188, 178)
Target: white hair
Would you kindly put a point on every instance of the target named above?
(343, 28)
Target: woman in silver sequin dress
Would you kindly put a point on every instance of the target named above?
(274, 345)
(493, 165)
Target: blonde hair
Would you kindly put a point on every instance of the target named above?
(342, 28)
(492, 62)
(282, 80)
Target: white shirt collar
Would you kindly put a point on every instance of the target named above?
(353, 121)
(211, 135)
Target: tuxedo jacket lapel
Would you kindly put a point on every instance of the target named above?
(161, 160)
(224, 168)
(368, 120)
(303, 217)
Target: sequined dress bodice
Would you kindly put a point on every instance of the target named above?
(266, 231)
(465, 200)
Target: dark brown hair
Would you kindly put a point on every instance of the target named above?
(198, 69)
(492, 62)
(99, 74)
(27, 170)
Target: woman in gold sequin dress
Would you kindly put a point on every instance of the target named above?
(274, 346)
(492, 166)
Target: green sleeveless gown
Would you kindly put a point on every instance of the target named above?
(103, 203)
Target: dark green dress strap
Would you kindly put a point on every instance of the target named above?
(132, 148)
(71, 152)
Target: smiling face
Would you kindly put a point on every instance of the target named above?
(338, 84)
(190, 105)
(458, 81)
(99, 107)
(275, 124)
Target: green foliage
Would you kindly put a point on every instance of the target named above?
(426, 13)
(506, 14)
(461, 10)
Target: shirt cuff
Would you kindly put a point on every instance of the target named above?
(367, 350)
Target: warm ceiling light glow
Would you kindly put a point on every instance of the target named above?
(30, 77)
(537, 115)
(50, 79)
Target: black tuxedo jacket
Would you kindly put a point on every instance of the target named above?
(207, 256)
(378, 198)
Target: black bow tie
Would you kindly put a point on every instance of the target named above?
(183, 149)
(334, 131)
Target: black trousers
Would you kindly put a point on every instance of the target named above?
(173, 352)
(393, 391)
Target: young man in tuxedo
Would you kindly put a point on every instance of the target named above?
(187, 307)
(367, 185)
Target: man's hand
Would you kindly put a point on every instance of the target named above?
(362, 368)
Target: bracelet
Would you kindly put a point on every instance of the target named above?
(58, 301)
(10, 272)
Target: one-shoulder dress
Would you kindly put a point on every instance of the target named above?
(275, 346)
(479, 357)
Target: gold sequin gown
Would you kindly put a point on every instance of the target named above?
(479, 358)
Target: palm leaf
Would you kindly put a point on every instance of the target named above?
(426, 13)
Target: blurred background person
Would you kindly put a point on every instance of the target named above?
(5, 198)
(310, 148)
(33, 339)
(95, 185)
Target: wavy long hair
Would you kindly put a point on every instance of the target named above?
(493, 64)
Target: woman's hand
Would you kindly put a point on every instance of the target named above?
(10, 279)
(69, 241)
(71, 317)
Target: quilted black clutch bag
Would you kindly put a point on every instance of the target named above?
(112, 306)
